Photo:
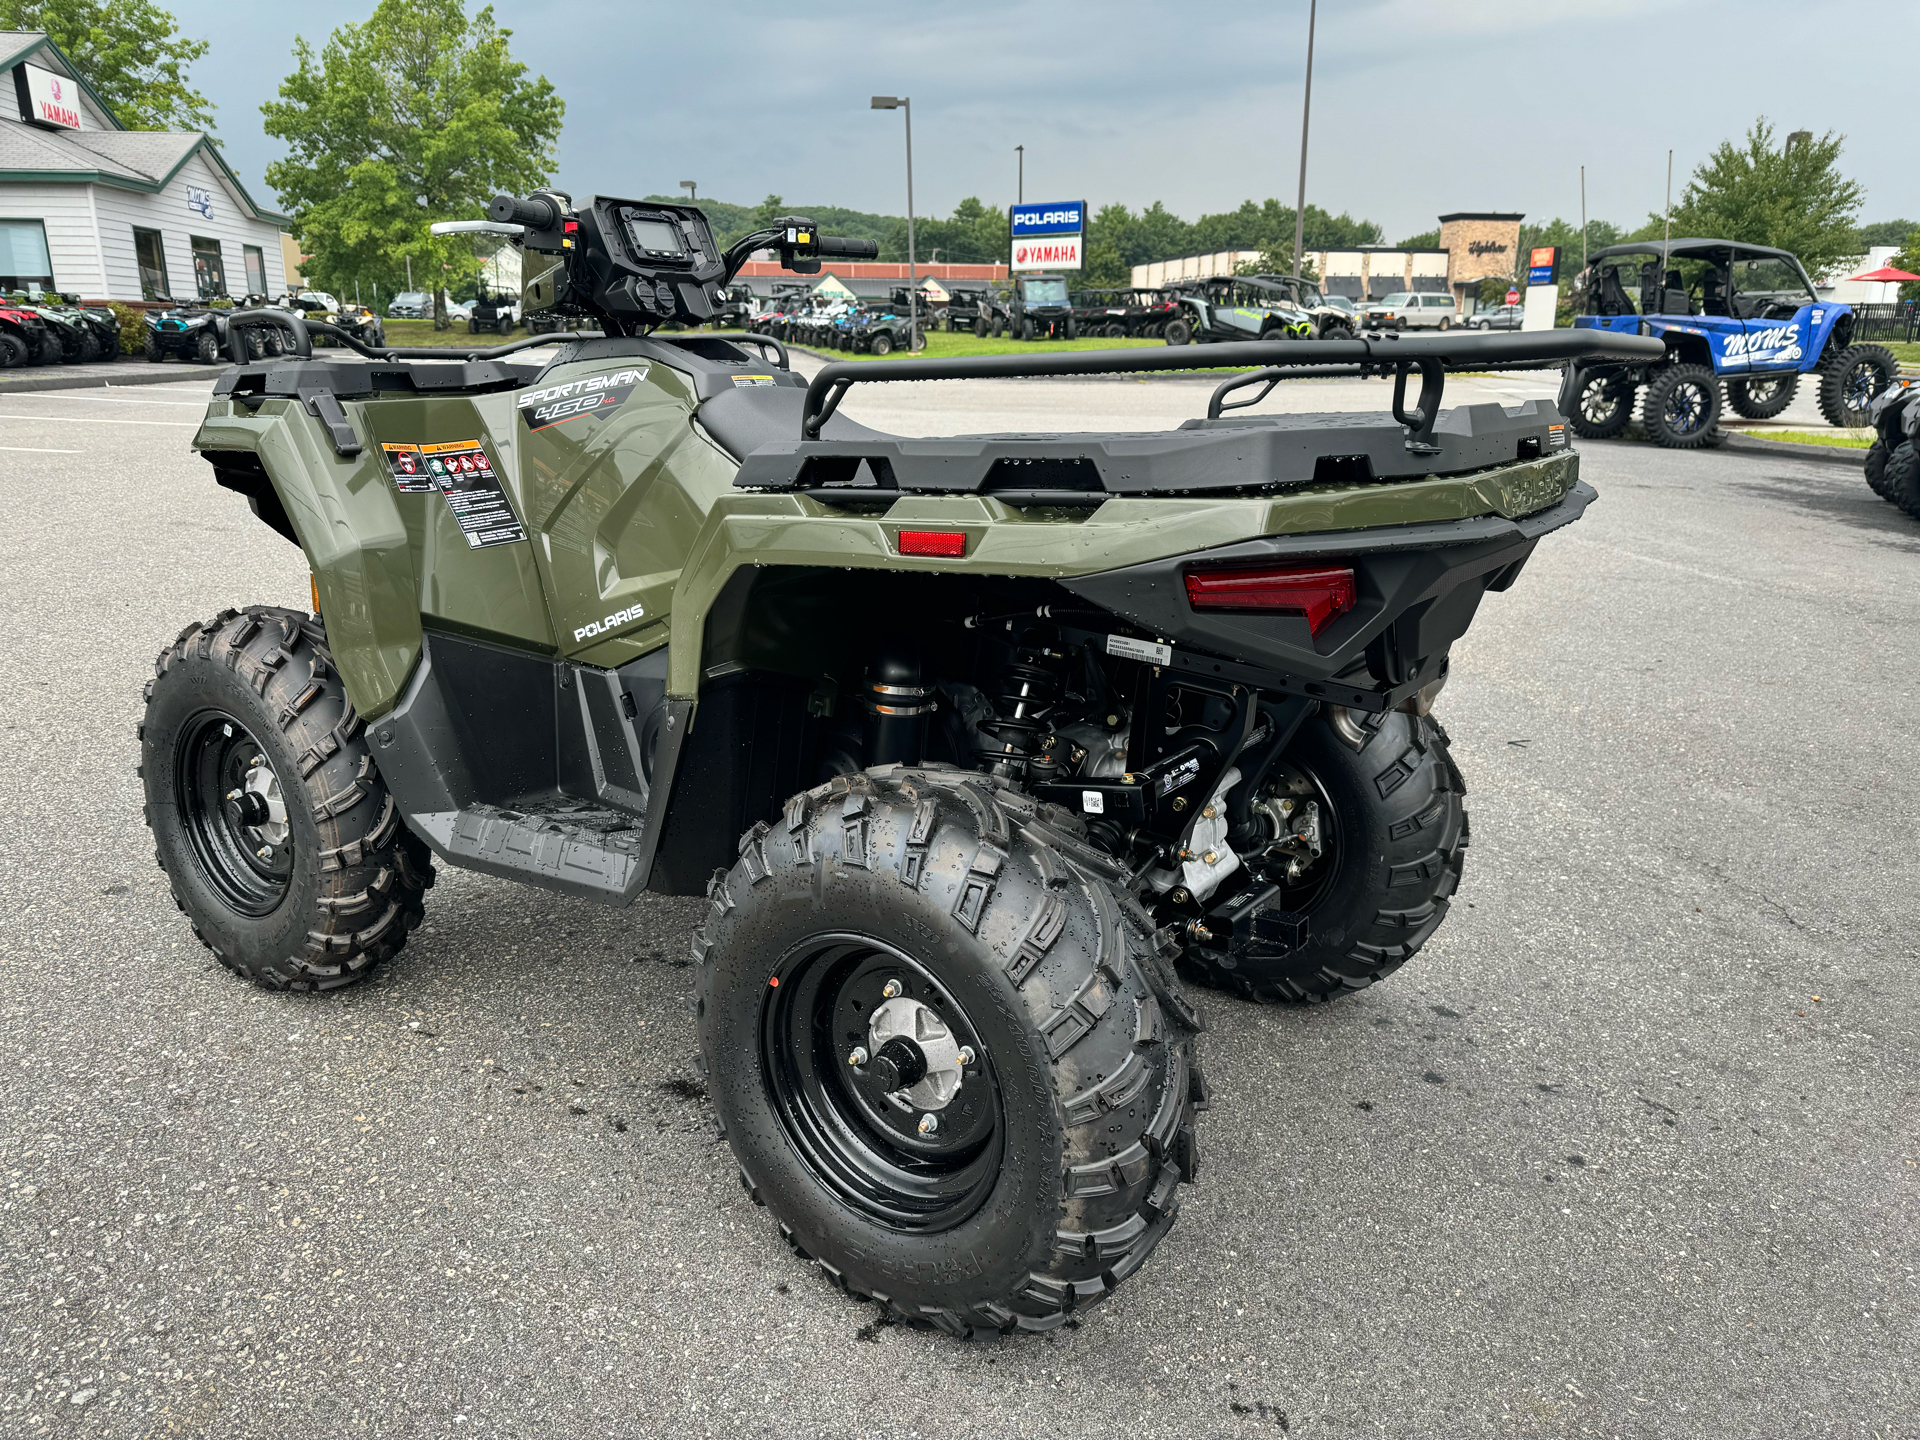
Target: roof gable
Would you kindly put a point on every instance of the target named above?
(36, 46)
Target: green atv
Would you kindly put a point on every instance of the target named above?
(974, 745)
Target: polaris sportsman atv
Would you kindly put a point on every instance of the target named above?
(971, 743)
(1734, 318)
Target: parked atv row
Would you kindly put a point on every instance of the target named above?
(53, 329)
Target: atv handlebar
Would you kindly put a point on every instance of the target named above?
(1389, 354)
(304, 331)
(846, 247)
(536, 212)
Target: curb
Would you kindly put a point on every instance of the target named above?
(54, 379)
(1827, 454)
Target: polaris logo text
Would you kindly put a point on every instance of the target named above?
(1035, 220)
(609, 622)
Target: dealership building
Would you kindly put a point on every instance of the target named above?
(92, 208)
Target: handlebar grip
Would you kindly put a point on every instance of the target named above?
(846, 247)
(536, 212)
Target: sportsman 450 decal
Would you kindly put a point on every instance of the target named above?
(570, 400)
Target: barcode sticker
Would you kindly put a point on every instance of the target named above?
(1151, 651)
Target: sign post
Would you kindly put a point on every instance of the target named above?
(1047, 235)
(1543, 287)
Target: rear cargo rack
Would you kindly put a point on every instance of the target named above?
(1376, 355)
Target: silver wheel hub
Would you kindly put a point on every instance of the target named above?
(262, 782)
(909, 1020)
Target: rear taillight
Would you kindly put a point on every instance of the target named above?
(1319, 592)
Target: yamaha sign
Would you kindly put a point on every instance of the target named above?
(46, 98)
(1047, 236)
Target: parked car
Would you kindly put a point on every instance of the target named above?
(411, 305)
(1501, 317)
(1408, 310)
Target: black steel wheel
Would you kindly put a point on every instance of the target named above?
(1603, 403)
(858, 1039)
(1682, 407)
(945, 1049)
(13, 351)
(233, 811)
(1177, 332)
(1762, 397)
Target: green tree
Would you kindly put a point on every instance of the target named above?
(1908, 258)
(420, 114)
(1426, 240)
(1794, 198)
(131, 53)
(1884, 232)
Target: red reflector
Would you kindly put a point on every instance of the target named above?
(1319, 592)
(933, 542)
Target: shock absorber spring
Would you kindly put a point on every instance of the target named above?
(1023, 707)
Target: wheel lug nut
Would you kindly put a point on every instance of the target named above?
(857, 1057)
(890, 990)
(966, 1056)
(929, 1124)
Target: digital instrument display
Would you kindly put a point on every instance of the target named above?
(657, 236)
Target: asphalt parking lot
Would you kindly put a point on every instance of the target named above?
(1631, 1148)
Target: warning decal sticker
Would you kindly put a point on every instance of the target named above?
(409, 468)
(465, 476)
(572, 399)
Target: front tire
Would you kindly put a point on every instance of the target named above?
(1393, 828)
(881, 344)
(206, 349)
(1875, 468)
(1603, 405)
(934, 904)
(1851, 381)
(13, 351)
(1178, 332)
(1682, 407)
(279, 841)
(1762, 397)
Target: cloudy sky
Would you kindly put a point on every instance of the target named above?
(1420, 106)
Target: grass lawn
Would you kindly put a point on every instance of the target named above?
(1908, 352)
(1814, 437)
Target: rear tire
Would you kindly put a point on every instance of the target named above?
(981, 329)
(1851, 381)
(13, 351)
(1603, 404)
(342, 880)
(1875, 468)
(1394, 856)
(1903, 486)
(1762, 398)
(1337, 332)
(1054, 1169)
(1682, 407)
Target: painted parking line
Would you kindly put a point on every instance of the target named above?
(37, 450)
(100, 399)
(98, 420)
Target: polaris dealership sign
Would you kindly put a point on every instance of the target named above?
(1047, 236)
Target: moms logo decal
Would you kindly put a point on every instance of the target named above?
(572, 399)
(1779, 343)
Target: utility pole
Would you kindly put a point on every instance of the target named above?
(1667, 214)
(1307, 100)
(1584, 217)
(905, 104)
(1020, 174)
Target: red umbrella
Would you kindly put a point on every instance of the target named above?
(1887, 273)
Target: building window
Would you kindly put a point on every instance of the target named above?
(23, 257)
(151, 256)
(209, 275)
(256, 269)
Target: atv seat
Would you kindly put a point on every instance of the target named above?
(744, 419)
(1674, 299)
(1614, 297)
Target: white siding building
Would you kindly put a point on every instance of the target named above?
(92, 208)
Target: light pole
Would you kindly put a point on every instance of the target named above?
(903, 103)
(693, 191)
(1020, 174)
(1307, 98)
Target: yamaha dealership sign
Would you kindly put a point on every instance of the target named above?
(1048, 236)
